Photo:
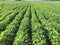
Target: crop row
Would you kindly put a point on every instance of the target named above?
(7, 36)
(24, 23)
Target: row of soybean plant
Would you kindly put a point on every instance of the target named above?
(38, 37)
(7, 36)
(9, 18)
(52, 15)
(8, 12)
(4, 8)
(22, 37)
(51, 32)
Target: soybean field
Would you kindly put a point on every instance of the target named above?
(29, 23)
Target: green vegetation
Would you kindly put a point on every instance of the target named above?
(27, 23)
